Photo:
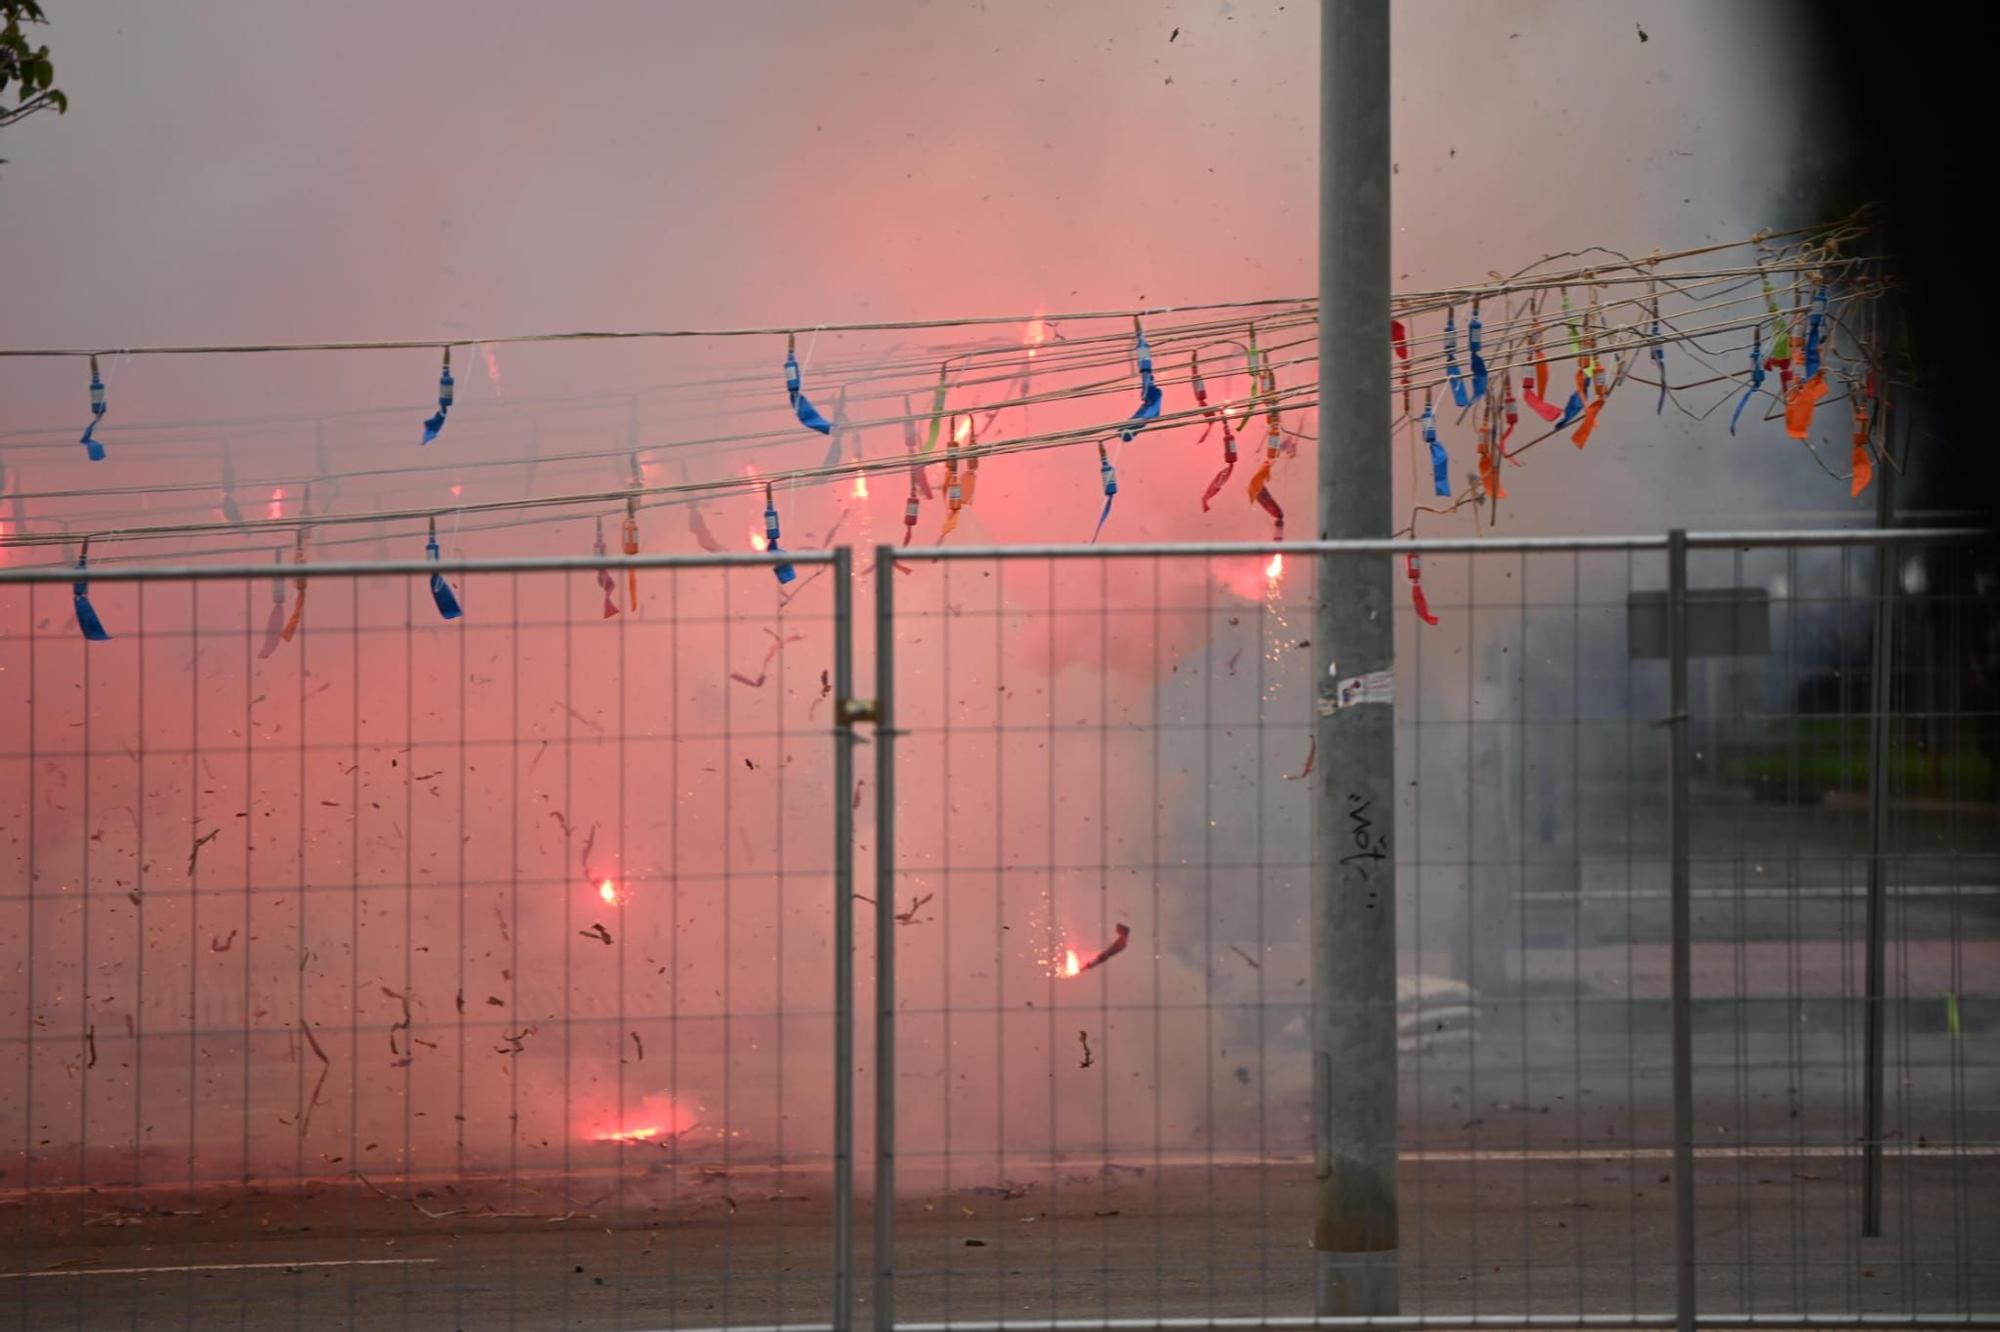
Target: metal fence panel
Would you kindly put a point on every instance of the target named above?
(421, 972)
(1092, 746)
(1785, 835)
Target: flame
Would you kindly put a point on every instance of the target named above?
(609, 892)
(457, 490)
(277, 507)
(962, 433)
(860, 486)
(646, 1134)
(1035, 335)
(757, 540)
(1275, 569)
(1071, 964)
(492, 364)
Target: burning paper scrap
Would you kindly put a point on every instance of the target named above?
(1072, 967)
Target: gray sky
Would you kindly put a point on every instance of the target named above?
(247, 172)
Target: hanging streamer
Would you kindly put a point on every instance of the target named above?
(1270, 506)
(1274, 432)
(1756, 375)
(274, 624)
(1813, 325)
(228, 506)
(1792, 375)
(441, 593)
(445, 393)
(1399, 342)
(1440, 461)
(1574, 407)
(1659, 355)
(1473, 330)
(785, 572)
(1253, 366)
(838, 438)
(937, 410)
(86, 614)
(1534, 392)
(698, 524)
(1799, 406)
(1858, 459)
(808, 414)
(1569, 322)
(1489, 472)
(298, 585)
(966, 436)
(1150, 396)
(954, 497)
(1781, 338)
(1588, 425)
(918, 481)
(1228, 465)
(606, 583)
(1421, 604)
(1109, 476)
(1451, 371)
(629, 543)
(1200, 387)
(91, 446)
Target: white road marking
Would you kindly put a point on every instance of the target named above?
(1701, 1153)
(215, 1267)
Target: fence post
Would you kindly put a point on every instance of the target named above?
(1875, 979)
(1681, 928)
(843, 941)
(885, 941)
(1356, 1229)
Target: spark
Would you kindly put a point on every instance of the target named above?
(1037, 333)
(1275, 569)
(860, 486)
(609, 892)
(1072, 965)
(961, 435)
(757, 541)
(492, 364)
(277, 507)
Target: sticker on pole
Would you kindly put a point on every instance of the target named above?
(1374, 687)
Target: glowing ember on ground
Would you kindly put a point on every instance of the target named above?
(860, 487)
(608, 891)
(659, 1119)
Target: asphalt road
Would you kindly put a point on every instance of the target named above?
(1553, 1232)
